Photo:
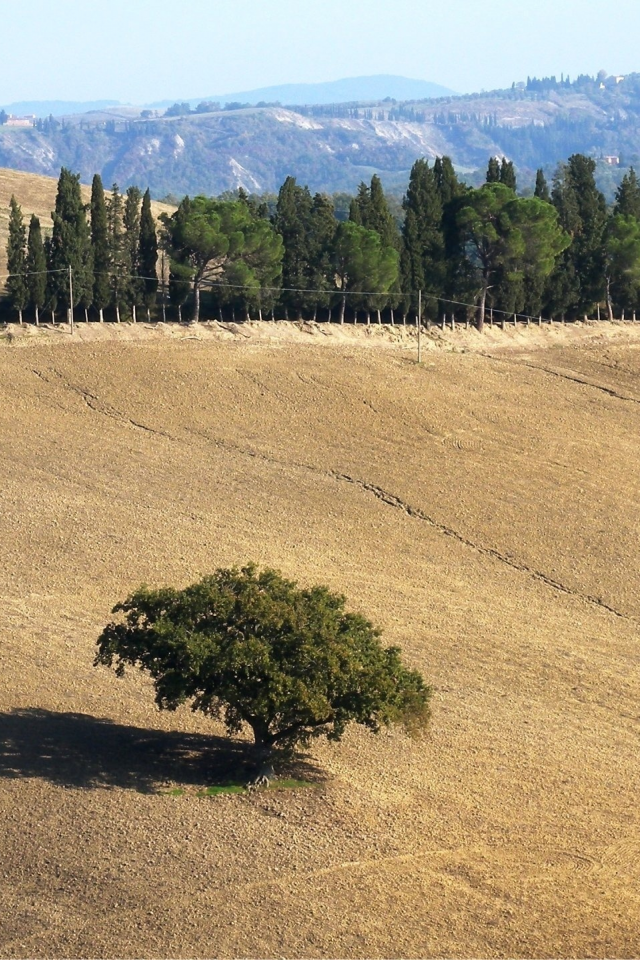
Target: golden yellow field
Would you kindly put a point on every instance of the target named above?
(483, 508)
(35, 194)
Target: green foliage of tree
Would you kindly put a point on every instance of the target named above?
(223, 242)
(70, 245)
(541, 191)
(148, 253)
(117, 248)
(363, 265)
(100, 246)
(493, 171)
(508, 237)
(131, 243)
(627, 202)
(508, 174)
(292, 221)
(423, 264)
(370, 209)
(36, 268)
(622, 261)
(17, 287)
(255, 650)
(582, 214)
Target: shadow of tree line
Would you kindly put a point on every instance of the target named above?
(79, 750)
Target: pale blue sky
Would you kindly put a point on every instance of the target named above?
(135, 52)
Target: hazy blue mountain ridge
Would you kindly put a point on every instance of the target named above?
(332, 147)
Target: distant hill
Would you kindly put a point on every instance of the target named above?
(332, 147)
(56, 108)
(351, 90)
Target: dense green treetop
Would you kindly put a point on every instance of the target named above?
(255, 650)
(17, 287)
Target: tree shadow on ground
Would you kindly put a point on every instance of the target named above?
(79, 750)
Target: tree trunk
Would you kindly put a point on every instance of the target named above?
(368, 318)
(260, 314)
(220, 316)
(53, 317)
(483, 303)
(196, 302)
(86, 315)
(148, 315)
(315, 312)
(609, 301)
(117, 313)
(133, 314)
(101, 315)
(179, 313)
(343, 307)
(286, 313)
(20, 316)
(164, 312)
(393, 319)
(247, 315)
(37, 316)
(379, 317)
(404, 319)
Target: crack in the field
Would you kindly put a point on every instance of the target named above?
(563, 376)
(418, 514)
(384, 496)
(99, 406)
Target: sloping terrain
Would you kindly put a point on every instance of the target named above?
(483, 508)
(36, 194)
(334, 147)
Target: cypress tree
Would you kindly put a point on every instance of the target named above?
(493, 171)
(359, 206)
(379, 217)
(36, 268)
(17, 259)
(423, 265)
(292, 221)
(508, 174)
(458, 283)
(628, 196)
(131, 222)
(447, 181)
(582, 213)
(148, 253)
(100, 246)
(542, 189)
(117, 251)
(70, 245)
(321, 237)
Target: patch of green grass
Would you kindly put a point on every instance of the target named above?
(290, 784)
(236, 788)
(222, 788)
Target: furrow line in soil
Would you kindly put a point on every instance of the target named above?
(418, 514)
(572, 378)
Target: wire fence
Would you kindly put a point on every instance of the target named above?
(389, 301)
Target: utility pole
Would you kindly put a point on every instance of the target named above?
(420, 326)
(70, 300)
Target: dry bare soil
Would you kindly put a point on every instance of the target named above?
(483, 508)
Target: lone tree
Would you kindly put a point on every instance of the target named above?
(255, 650)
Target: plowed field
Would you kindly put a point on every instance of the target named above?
(483, 509)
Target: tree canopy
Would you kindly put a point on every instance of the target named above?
(224, 242)
(255, 650)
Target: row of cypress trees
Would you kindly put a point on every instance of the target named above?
(599, 262)
(112, 253)
(456, 244)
